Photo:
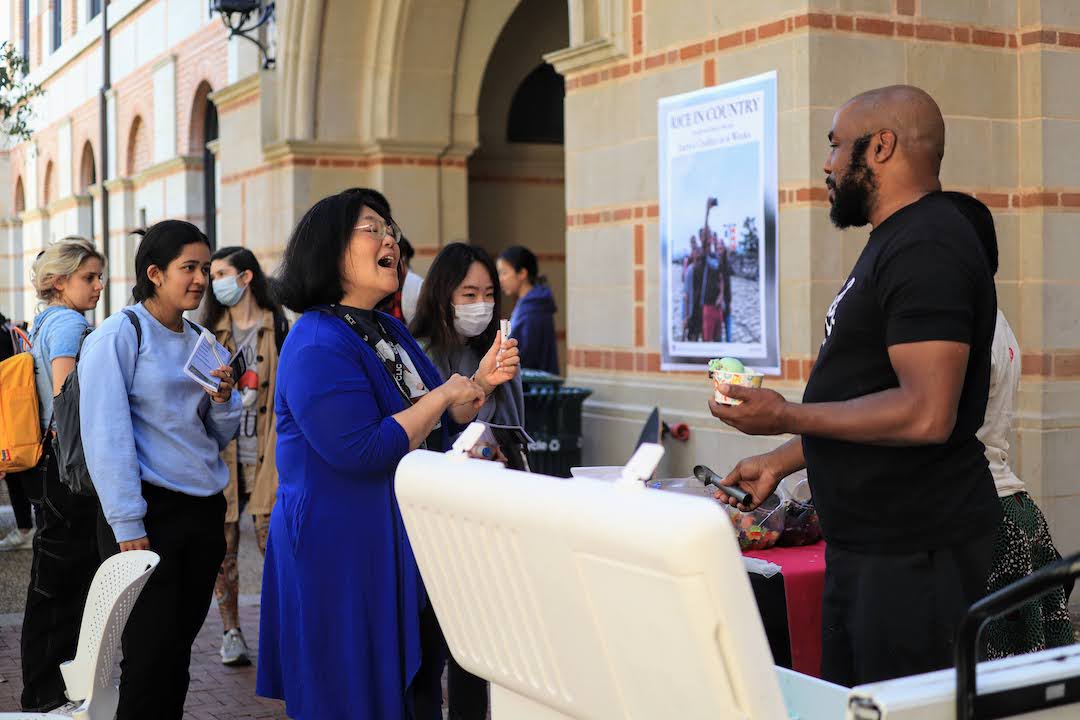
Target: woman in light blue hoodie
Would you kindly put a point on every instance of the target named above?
(152, 438)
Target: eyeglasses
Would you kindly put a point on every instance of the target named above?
(380, 229)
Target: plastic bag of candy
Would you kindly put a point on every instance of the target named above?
(801, 524)
(758, 529)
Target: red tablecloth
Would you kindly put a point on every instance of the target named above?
(803, 569)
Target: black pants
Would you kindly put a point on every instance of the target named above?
(467, 693)
(889, 616)
(20, 503)
(424, 695)
(186, 532)
(65, 560)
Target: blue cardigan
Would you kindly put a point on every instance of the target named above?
(342, 595)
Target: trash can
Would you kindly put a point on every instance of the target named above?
(537, 378)
(553, 420)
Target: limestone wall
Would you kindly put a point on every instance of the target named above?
(1000, 72)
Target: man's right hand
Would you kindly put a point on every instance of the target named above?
(758, 475)
(142, 543)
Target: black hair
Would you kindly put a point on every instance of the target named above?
(982, 220)
(434, 311)
(310, 273)
(242, 259)
(161, 243)
(522, 258)
(407, 252)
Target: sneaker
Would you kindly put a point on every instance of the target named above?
(234, 651)
(17, 540)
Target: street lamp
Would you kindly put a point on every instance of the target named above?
(236, 13)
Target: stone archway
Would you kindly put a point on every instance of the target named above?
(392, 88)
(516, 189)
(360, 71)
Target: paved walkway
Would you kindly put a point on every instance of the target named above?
(216, 692)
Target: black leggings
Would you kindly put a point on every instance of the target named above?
(65, 560)
(467, 693)
(186, 532)
(20, 503)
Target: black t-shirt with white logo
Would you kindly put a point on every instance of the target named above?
(922, 276)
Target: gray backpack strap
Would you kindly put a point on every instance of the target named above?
(138, 329)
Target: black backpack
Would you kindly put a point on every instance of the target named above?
(281, 329)
(67, 442)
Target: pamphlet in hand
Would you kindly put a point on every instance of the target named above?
(207, 356)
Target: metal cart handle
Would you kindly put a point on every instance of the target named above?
(999, 603)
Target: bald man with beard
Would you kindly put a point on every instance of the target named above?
(886, 428)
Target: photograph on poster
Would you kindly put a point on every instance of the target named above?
(718, 225)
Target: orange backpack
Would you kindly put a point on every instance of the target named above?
(21, 442)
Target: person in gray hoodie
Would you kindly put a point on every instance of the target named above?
(457, 322)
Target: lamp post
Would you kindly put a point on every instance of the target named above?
(242, 17)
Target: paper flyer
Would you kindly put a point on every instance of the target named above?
(207, 356)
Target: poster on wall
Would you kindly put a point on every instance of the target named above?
(718, 234)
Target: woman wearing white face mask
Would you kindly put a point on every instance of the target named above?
(457, 324)
(247, 321)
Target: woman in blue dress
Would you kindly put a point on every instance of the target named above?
(344, 612)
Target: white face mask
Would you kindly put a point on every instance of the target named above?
(473, 319)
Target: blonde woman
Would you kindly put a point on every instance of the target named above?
(68, 277)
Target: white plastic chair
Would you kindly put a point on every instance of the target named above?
(91, 676)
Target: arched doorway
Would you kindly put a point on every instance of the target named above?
(203, 133)
(87, 179)
(48, 192)
(516, 176)
(138, 148)
(87, 169)
(210, 123)
(20, 197)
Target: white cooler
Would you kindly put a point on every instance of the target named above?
(590, 599)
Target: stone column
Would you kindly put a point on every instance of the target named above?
(1048, 418)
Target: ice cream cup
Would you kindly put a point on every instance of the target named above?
(746, 378)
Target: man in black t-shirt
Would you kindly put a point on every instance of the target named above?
(886, 429)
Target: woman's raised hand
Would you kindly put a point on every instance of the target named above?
(500, 364)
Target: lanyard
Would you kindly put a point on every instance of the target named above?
(372, 333)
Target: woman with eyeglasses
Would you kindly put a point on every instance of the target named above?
(346, 629)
